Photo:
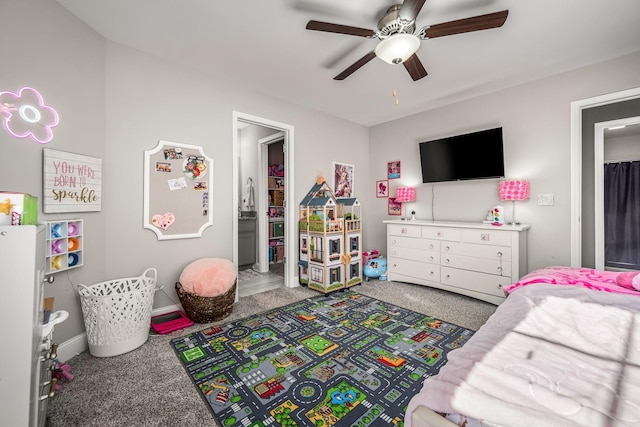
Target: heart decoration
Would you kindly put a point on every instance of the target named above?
(163, 221)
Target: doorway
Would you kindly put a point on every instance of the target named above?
(258, 150)
(615, 105)
(616, 165)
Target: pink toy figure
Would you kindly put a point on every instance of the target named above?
(62, 370)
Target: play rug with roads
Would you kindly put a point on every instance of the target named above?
(341, 359)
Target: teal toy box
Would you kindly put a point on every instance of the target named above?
(18, 208)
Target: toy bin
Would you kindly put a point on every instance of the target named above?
(117, 313)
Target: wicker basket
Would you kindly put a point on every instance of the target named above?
(207, 309)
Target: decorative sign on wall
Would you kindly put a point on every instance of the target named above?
(178, 179)
(72, 182)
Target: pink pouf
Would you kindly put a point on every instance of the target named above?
(207, 288)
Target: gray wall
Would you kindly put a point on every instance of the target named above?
(536, 122)
(115, 102)
(65, 61)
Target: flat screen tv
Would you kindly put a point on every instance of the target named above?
(476, 155)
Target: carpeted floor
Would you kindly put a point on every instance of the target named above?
(149, 387)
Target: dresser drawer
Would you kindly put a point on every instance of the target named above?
(500, 268)
(441, 233)
(477, 250)
(432, 257)
(487, 237)
(417, 269)
(478, 282)
(405, 230)
(413, 243)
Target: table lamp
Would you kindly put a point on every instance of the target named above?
(514, 189)
(406, 195)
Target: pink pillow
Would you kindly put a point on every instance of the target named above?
(208, 277)
(629, 280)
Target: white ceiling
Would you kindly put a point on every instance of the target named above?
(263, 44)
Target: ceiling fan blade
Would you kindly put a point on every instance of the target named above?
(410, 9)
(476, 23)
(355, 66)
(340, 29)
(415, 68)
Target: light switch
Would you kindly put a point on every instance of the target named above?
(545, 199)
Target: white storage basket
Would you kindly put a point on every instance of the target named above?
(117, 313)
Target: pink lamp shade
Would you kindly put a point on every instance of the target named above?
(514, 190)
(405, 194)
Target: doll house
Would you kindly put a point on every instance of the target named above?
(330, 240)
(349, 210)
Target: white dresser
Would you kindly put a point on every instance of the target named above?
(469, 258)
(27, 355)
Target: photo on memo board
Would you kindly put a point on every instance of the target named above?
(382, 188)
(343, 176)
(395, 208)
(393, 169)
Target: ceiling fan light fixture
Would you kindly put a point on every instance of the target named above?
(397, 48)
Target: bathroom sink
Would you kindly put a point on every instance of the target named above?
(247, 215)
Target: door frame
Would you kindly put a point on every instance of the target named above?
(290, 271)
(263, 206)
(599, 182)
(576, 162)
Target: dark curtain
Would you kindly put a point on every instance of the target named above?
(622, 215)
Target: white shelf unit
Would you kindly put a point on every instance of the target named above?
(25, 365)
(472, 259)
(276, 219)
(64, 245)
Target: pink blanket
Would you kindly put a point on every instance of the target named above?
(607, 281)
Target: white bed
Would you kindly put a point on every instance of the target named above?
(562, 350)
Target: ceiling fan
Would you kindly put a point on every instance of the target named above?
(399, 41)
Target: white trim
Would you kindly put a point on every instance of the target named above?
(290, 277)
(598, 162)
(79, 344)
(576, 162)
(73, 347)
(263, 159)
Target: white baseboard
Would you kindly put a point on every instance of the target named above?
(79, 344)
(72, 347)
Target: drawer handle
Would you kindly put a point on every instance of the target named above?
(447, 277)
(430, 258)
(499, 286)
(431, 273)
(500, 254)
(430, 246)
(447, 260)
(393, 241)
(446, 248)
(500, 269)
(393, 252)
(52, 389)
(394, 265)
(439, 233)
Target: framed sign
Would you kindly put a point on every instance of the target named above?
(343, 175)
(393, 169)
(71, 182)
(178, 180)
(382, 188)
(395, 208)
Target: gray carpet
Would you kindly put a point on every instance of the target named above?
(149, 387)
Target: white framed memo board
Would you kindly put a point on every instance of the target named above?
(178, 183)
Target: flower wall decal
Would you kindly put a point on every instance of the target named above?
(25, 114)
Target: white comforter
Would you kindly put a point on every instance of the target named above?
(549, 356)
